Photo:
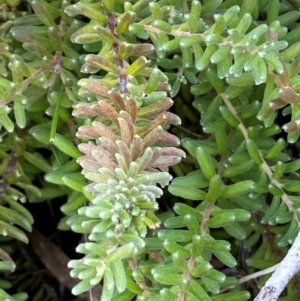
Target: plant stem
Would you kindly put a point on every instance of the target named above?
(287, 269)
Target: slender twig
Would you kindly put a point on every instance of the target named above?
(287, 269)
(206, 216)
(258, 274)
(91, 295)
(290, 265)
(12, 163)
(188, 131)
(266, 168)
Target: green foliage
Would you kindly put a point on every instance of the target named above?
(98, 78)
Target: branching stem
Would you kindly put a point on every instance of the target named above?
(290, 265)
(266, 168)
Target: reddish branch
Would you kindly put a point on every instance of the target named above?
(112, 24)
(12, 162)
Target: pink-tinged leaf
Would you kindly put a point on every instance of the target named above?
(278, 103)
(169, 139)
(160, 120)
(156, 154)
(82, 158)
(84, 110)
(87, 132)
(173, 118)
(165, 161)
(4, 47)
(289, 95)
(128, 119)
(151, 169)
(96, 177)
(86, 148)
(136, 147)
(88, 165)
(89, 68)
(25, 36)
(164, 168)
(94, 86)
(152, 137)
(126, 134)
(291, 126)
(101, 63)
(104, 158)
(104, 109)
(164, 87)
(173, 151)
(143, 49)
(155, 108)
(131, 108)
(104, 131)
(145, 159)
(108, 145)
(38, 49)
(124, 151)
(117, 99)
(272, 35)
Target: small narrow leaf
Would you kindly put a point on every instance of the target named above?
(86, 10)
(105, 34)
(120, 253)
(137, 66)
(236, 189)
(100, 62)
(66, 146)
(221, 220)
(125, 21)
(43, 14)
(108, 285)
(206, 163)
(19, 110)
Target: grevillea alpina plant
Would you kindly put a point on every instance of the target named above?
(128, 152)
(123, 161)
(233, 56)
